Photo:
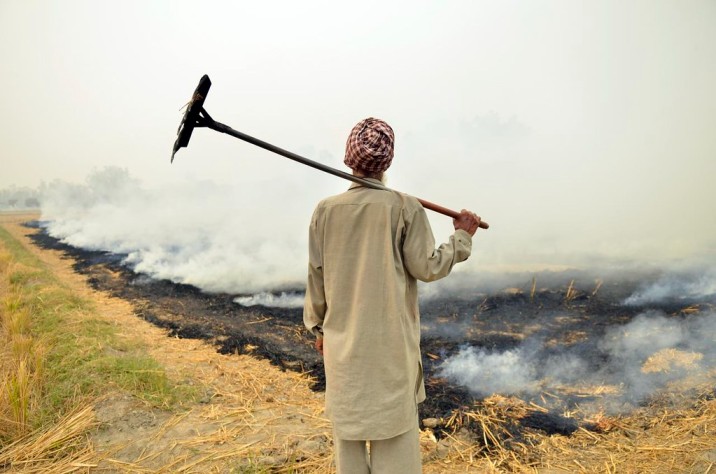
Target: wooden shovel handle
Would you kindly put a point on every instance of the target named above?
(207, 121)
(447, 212)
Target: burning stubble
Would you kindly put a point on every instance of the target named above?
(636, 360)
(207, 235)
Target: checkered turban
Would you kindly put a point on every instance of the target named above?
(370, 146)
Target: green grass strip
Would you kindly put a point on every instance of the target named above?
(83, 356)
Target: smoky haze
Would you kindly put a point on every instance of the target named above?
(252, 238)
(581, 132)
(198, 233)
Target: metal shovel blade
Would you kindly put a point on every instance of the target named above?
(191, 116)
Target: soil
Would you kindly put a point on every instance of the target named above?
(499, 321)
(262, 379)
(250, 414)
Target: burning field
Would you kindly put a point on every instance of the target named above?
(151, 300)
(579, 370)
(552, 353)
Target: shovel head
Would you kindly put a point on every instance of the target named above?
(191, 116)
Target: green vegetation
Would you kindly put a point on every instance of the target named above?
(57, 352)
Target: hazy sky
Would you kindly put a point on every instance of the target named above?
(570, 126)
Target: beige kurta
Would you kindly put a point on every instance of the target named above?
(367, 249)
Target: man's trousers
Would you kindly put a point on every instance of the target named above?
(400, 454)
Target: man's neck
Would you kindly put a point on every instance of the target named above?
(364, 174)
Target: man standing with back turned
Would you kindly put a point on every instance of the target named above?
(367, 249)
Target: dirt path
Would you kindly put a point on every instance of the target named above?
(251, 416)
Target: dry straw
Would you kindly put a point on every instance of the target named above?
(61, 448)
(571, 292)
(21, 356)
(651, 440)
(249, 407)
(678, 436)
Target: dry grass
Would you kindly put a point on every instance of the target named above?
(653, 439)
(533, 289)
(22, 364)
(56, 356)
(666, 360)
(256, 419)
(571, 292)
(21, 355)
(61, 448)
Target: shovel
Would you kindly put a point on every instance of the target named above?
(196, 116)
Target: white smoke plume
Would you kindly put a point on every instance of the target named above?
(681, 286)
(633, 357)
(492, 372)
(192, 232)
(250, 236)
(284, 300)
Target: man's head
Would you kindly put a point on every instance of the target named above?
(369, 148)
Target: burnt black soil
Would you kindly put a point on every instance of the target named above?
(493, 321)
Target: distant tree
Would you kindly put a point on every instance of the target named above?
(19, 197)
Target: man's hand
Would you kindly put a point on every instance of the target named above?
(467, 221)
(319, 345)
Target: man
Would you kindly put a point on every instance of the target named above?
(367, 249)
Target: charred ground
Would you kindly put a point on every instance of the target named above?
(564, 314)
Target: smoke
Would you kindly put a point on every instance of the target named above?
(250, 237)
(636, 359)
(218, 239)
(284, 300)
(492, 372)
(192, 232)
(681, 286)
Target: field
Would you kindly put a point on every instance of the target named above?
(189, 382)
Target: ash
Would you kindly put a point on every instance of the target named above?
(574, 342)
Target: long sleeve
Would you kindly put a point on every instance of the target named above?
(367, 247)
(422, 259)
(314, 309)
